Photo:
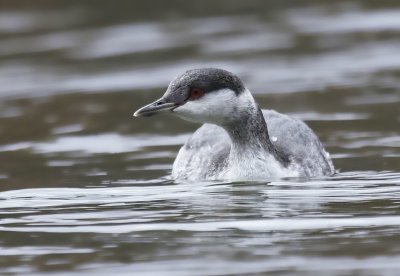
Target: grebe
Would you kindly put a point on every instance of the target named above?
(237, 141)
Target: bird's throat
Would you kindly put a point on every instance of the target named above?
(250, 140)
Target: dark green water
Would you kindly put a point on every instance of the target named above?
(84, 186)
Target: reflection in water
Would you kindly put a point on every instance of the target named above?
(104, 143)
(84, 187)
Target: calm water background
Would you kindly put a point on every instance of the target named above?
(84, 186)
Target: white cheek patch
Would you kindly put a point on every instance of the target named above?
(215, 107)
(218, 107)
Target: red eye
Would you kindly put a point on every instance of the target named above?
(196, 93)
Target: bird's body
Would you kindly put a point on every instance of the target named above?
(206, 154)
(237, 141)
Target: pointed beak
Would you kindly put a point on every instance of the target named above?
(156, 107)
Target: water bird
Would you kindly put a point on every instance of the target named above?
(237, 141)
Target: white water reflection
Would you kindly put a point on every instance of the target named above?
(259, 225)
(14, 21)
(323, 21)
(125, 39)
(30, 250)
(102, 143)
(344, 116)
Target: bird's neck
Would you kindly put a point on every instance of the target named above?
(250, 140)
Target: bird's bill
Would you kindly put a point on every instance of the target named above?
(156, 107)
